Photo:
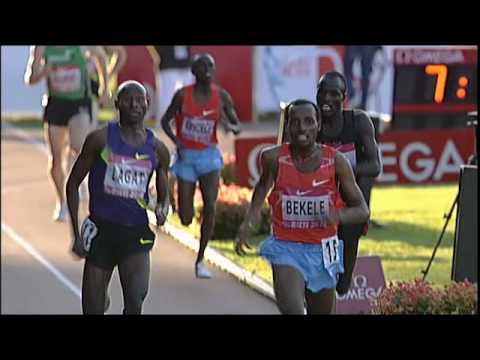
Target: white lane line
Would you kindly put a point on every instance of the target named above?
(210, 254)
(26, 137)
(50, 267)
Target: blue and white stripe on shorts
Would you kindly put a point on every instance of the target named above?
(306, 258)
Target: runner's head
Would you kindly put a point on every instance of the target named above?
(331, 91)
(131, 102)
(302, 123)
(203, 68)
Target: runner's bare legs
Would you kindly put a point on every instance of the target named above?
(209, 185)
(55, 138)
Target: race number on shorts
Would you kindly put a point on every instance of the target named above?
(87, 233)
(331, 253)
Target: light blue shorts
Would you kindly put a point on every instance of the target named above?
(306, 258)
(196, 163)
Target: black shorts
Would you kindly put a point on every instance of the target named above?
(114, 242)
(59, 112)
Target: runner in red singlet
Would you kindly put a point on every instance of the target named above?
(304, 249)
(197, 110)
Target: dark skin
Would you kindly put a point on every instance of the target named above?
(203, 69)
(333, 121)
(289, 286)
(330, 99)
(132, 105)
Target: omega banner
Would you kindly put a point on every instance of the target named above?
(367, 284)
(408, 157)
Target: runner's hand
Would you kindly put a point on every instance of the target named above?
(234, 128)
(228, 126)
(333, 215)
(343, 284)
(241, 241)
(161, 214)
(179, 146)
(104, 99)
(77, 249)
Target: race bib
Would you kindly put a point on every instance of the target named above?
(331, 254)
(87, 233)
(305, 212)
(65, 79)
(198, 129)
(126, 177)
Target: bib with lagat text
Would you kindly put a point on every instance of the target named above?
(126, 177)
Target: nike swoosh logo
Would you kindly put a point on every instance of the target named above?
(315, 183)
(301, 193)
(145, 242)
(127, 161)
(141, 156)
(207, 112)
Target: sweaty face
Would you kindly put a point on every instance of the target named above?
(303, 125)
(132, 104)
(330, 96)
(204, 69)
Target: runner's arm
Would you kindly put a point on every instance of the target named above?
(232, 122)
(370, 166)
(101, 63)
(94, 143)
(356, 211)
(161, 183)
(174, 108)
(120, 59)
(36, 69)
(155, 56)
(269, 163)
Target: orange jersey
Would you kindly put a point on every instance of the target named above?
(197, 124)
(301, 201)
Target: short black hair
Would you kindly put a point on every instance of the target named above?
(299, 102)
(331, 74)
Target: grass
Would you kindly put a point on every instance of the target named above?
(413, 219)
(412, 215)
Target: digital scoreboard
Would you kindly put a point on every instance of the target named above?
(434, 87)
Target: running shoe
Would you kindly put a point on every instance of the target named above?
(201, 271)
(60, 213)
